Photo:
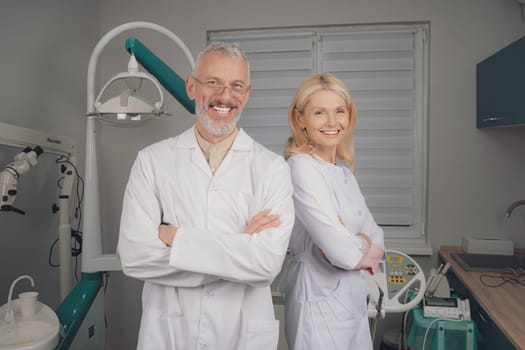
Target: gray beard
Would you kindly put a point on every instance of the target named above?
(213, 129)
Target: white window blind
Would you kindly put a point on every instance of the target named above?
(385, 69)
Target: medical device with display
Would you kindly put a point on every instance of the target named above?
(453, 308)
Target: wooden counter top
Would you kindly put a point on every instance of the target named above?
(504, 304)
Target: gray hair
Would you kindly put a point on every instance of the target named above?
(223, 48)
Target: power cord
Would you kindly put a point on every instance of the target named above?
(403, 337)
(514, 277)
(106, 284)
(76, 234)
(49, 258)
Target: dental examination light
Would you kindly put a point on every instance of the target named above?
(92, 259)
(82, 312)
(129, 107)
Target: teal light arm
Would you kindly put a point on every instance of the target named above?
(171, 81)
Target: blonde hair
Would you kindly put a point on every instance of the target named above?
(298, 141)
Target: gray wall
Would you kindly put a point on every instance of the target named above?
(473, 174)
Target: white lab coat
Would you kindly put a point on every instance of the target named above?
(211, 289)
(325, 300)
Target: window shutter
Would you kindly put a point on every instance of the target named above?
(385, 69)
(378, 66)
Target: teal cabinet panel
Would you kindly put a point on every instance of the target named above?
(500, 87)
(490, 335)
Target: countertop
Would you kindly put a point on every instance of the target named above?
(504, 304)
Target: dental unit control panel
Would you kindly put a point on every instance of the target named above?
(399, 272)
(396, 275)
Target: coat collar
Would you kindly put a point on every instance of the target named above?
(187, 139)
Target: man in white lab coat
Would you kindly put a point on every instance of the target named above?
(206, 221)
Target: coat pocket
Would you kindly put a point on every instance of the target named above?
(332, 321)
(162, 323)
(153, 330)
(161, 331)
(262, 335)
(344, 303)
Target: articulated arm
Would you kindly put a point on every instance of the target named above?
(171, 81)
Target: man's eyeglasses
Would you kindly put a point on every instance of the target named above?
(237, 89)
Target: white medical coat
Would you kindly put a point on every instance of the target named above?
(325, 299)
(210, 290)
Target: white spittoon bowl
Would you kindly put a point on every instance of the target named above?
(39, 333)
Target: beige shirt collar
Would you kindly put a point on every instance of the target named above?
(215, 152)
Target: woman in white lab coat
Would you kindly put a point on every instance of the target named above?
(335, 240)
